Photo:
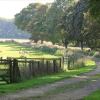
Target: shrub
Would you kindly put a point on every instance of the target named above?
(97, 54)
(76, 59)
(59, 52)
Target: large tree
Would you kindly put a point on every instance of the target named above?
(92, 25)
(59, 19)
(32, 19)
(46, 21)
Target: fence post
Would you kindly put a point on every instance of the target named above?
(14, 71)
(38, 67)
(1, 59)
(10, 71)
(60, 63)
(33, 69)
(68, 63)
(30, 67)
(47, 65)
(43, 66)
(54, 66)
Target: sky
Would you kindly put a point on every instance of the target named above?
(8, 8)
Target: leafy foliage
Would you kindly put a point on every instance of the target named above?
(95, 9)
(32, 19)
(63, 21)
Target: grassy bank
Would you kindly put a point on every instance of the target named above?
(37, 81)
(94, 96)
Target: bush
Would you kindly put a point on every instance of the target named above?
(76, 59)
(91, 53)
(97, 54)
(47, 49)
(59, 52)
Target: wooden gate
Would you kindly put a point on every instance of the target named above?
(4, 70)
(9, 71)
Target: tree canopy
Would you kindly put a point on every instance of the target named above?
(63, 21)
(95, 9)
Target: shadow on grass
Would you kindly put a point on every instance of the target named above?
(28, 50)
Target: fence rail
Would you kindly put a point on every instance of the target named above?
(14, 70)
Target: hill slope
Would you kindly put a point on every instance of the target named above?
(9, 30)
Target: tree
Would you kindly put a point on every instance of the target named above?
(59, 17)
(92, 34)
(45, 21)
(92, 25)
(62, 22)
(32, 19)
(95, 9)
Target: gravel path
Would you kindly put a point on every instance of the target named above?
(40, 92)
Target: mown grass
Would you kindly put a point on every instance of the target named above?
(14, 50)
(94, 96)
(42, 80)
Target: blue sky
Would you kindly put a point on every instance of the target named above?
(8, 8)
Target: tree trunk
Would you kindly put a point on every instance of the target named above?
(66, 43)
(82, 45)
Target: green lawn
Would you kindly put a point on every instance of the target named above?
(37, 81)
(94, 96)
(13, 50)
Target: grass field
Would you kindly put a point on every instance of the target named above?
(16, 50)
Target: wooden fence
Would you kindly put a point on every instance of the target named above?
(14, 70)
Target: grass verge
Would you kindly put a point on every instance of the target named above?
(94, 96)
(37, 81)
(69, 87)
